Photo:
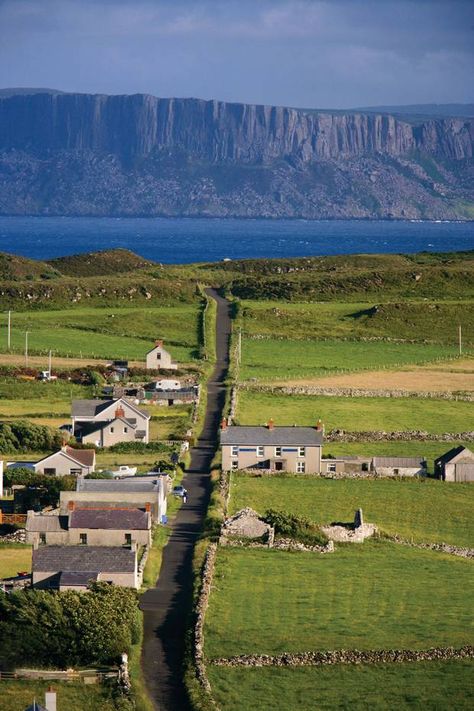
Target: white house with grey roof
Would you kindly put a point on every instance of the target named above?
(289, 449)
(75, 567)
(158, 358)
(107, 422)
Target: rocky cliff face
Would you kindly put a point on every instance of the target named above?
(95, 154)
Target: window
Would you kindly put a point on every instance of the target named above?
(277, 451)
(300, 467)
(75, 472)
(111, 429)
(396, 471)
(158, 356)
(301, 451)
(125, 430)
(42, 538)
(331, 467)
(128, 539)
(51, 471)
(235, 451)
(235, 464)
(365, 467)
(260, 451)
(83, 539)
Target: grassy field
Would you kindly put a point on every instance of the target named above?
(108, 333)
(430, 511)
(16, 695)
(374, 596)
(434, 321)
(271, 359)
(426, 686)
(355, 414)
(14, 557)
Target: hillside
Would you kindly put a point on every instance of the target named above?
(80, 154)
(111, 261)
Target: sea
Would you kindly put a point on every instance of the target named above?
(187, 240)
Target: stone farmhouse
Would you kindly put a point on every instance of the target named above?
(159, 358)
(130, 492)
(290, 449)
(96, 527)
(456, 465)
(74, 567)
(108, 422)
(78, 462)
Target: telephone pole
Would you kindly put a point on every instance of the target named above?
(460, 340)
(9, 331)
(26, 347)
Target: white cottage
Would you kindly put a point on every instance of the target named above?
(159, 358)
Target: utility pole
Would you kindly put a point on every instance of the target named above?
(49, 364)
(26, 347)
(239, 348)
(9, 332)
(460, 340)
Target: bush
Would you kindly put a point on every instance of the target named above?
(41, 490)
(23, 436)
(139, 447)
(68, 628)
(296, 527)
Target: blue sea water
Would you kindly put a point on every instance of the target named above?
(184, 240)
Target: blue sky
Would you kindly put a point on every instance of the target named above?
(311, 53)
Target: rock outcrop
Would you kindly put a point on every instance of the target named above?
(139, 154)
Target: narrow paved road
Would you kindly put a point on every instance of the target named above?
(166, 606)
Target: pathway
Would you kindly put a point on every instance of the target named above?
(167, 605)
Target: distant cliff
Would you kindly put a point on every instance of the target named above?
(141, 155)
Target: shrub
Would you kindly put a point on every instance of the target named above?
(296, 527)
(68, 628)
(23, 436)
(139, 447)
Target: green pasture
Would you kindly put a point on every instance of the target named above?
(434, 321)
(423, 509)
(19, 694)
(106, 332)
(359, 414)
(376, 595)
(422, 686)
(271, 359)
(14, 557)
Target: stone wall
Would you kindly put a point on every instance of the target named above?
(343, 656)
(360, 392)
(201, 608)
(402, 435)
(441, 547)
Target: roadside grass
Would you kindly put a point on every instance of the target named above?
(355, 414)
(271, 359)
(155, 556)
(435, 321)
(20, 694)
(119, 332)
(139, 690)
(420, 686)
(425, 510)
(14, 557)
(377, 595)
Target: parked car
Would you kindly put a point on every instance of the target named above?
(179, 491)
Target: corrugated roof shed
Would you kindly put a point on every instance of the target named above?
(110, 519)
(279, 436)
(109, 559)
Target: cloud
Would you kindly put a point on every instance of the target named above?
(332, 52)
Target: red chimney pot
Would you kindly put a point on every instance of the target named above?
(223, 424)
(270, 424)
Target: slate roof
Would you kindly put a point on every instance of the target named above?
(82, 559)
(92, 408)
(35, 706)
(279, 436)
(46, 524)
(127, 484)
(74, 578)
(408, 462)
(110, 519)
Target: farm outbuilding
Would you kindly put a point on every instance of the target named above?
(456, 465)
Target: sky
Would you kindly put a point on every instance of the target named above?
(305, 53)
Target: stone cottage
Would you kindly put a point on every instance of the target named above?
(159, 358)
(289, 449)
(78, 462)
(399, 466)
(107, 422)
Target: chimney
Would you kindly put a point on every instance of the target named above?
(159, 344)
(148, 506)
(270, 424)
(223, 424)
(319, 426)
(71, 505)
(50, 699)
(119, 412)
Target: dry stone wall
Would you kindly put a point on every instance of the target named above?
(201, 608)
(361, 392)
